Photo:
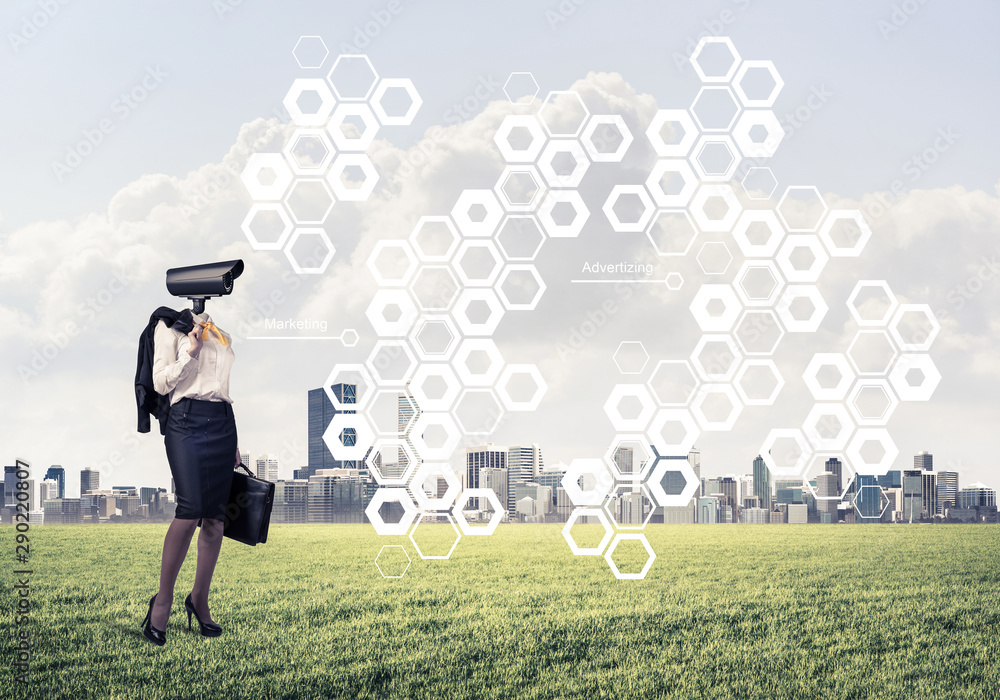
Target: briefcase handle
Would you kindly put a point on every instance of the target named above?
(244, 469)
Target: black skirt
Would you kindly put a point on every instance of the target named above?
(201, 449)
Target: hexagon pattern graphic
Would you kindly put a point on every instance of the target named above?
(444, 288)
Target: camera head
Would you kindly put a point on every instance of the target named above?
(199, 282)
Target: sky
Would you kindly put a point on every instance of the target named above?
(86, 243)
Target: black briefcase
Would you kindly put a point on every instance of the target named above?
(248, 514)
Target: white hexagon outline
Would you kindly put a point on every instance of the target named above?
(326, 98)
(616, 193)
(716, 388)
(450, 520)
(644, 490)
(799, 240)
(450, 302)
(442, 370)
(517, 101)
(422, 353)
(352, 109)
(609, 458)
(286, 221)
(520, 169)
(594, 467)
(397, 342)
(519, 155)
(866, 383)
(715, 130)
(520, 258)
(306, 180)
(587, 512)
(391, 495)
(701, 198)
(423, 255)
(588, 138)
(507, 400)
(361, 400)
(758, 117)
(548, 172)
(477, 229)
(310, 231)
(758, 362)
(777, 324)
(675, 150)
(674, 165)
(630, 342)
(452, 436)
(376, 449)
(326, 52)
(665, 404)
(499, 512)
(820, 443)
(394, 394)
(898, 337)
(673, 415)
(334, 67)
(508, 304)
(438, 503)
(387, 84)
(784, 196)
(486, 429)
(405, 569)
(823, 359)
(922, 362)
(795, 434)
(747, 190)
(893, 304)
(488, 245)
(460, 362)
(744, 295)
(293, 162)
(762, 216)
(858, 462)
(741, 93)
(352, 194)
(716, 337)
(726, 141)
(801, 291)
(619, 538)
(691, 483)
(583, 122)
(702, 250)
(673, 287)
(854, 363)
(837, 215)
(549, 225)
(348, 453)
(715, 40)
(488, 297)
(647, 408)
(377, 274)
(251, 172)
(715, 292)
(883, 501)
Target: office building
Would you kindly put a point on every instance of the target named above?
(320, 412)
(339, 496)
(291, 501)
(828, 496)
(868, 499)
(913, 494)
(245, 459)
(929, 507)
(477, 459)
(798, 514)
(48, 489)
(63, 511)
(708, 510)
(551, 477)
(836, 467)
(924, 461)
(947, 491)
(267, 467)
(673, 484)
(58, 474)
(977, 495)
(495, 479)
(754, 516)
(524, 464)
(90, 480)
(762, 483)
(892, 479)
(788, 491)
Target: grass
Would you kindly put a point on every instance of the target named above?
(728, 611)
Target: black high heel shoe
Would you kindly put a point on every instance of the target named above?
(207, 629)
(157, 637)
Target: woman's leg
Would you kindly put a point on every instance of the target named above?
(175, 547)
(209, 543)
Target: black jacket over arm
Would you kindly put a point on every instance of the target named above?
(147, 401)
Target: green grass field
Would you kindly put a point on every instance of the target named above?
(729, 611)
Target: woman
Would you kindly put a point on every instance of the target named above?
(200, 440)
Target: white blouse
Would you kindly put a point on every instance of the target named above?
(178, 374)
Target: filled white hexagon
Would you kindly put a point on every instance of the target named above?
(715, 307)
(520, 138)
(391, 495)
(563, 213)
(828, 376)
(316, 86)
(672, 182)
(914, 377)
(628, 208)
(630, 407)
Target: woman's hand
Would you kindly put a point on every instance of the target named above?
(237, 458)
(195, 337)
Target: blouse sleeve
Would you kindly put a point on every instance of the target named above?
(171, 361)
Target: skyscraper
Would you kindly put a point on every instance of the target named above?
(762, 482)
(524, 464)
(321, 412)
(267, 467)
(90, 480)
(477, 459)
(947, 491)
(624, 460)
(929, 507)
(827, 497)
(836, 467)
(57, 473)
(924, 461)
(913, 494)
(868, 498)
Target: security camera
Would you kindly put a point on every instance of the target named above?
(199, 282)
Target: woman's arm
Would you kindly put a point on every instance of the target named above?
(173, 359)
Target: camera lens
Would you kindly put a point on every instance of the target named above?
(227, 282)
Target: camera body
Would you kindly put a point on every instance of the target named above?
(199, 282)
